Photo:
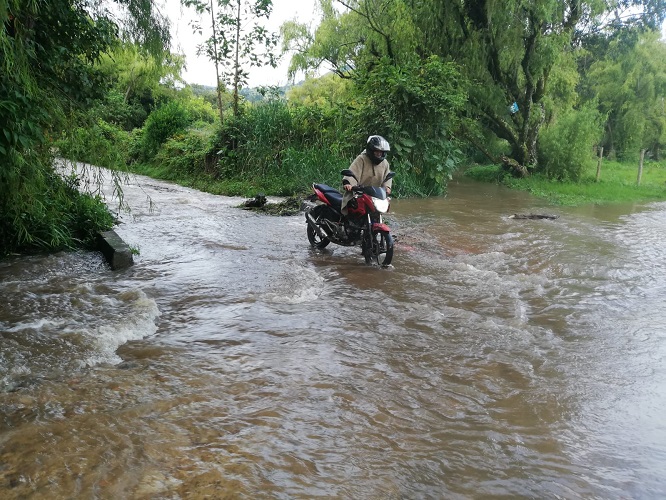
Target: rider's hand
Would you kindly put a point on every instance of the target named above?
(347, 187)
(388, 190)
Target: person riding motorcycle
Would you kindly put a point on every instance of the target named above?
(370, 168)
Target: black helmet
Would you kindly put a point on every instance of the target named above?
(377, 143)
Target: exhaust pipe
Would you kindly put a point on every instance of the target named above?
(313, 224)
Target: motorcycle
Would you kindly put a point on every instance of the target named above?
(362, 225)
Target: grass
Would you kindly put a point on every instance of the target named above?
(617, 184)
(246, 186)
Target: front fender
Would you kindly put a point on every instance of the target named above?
(380, 227)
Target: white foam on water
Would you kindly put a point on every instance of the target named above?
(38, 324)
(295, 287)
(136, 322)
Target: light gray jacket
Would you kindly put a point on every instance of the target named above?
(368, 174)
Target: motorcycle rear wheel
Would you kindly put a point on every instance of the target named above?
(315, 240)
(378, 249)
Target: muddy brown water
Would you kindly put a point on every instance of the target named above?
(496, 357)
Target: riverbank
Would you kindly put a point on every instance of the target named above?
(617, 183)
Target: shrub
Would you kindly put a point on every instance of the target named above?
(100, 143)
(185, 155)
(565, 147)
(163, 123)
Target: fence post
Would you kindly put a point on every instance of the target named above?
(601, 157)
(640, 168)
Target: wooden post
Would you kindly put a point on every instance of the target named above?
(640, 168)
(601, 157)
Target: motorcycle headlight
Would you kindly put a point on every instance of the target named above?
(381, 205)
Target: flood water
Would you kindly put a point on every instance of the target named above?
(496, 357)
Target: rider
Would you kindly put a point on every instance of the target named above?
(370, 168)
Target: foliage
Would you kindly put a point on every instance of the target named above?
(507, 51)
(416, 106)
(323, 92)
(237, 40)
(566, 146)
(631, 83)
(139, 82)
(187, 154)
(258, 141)
(100, 143)
(114, 109)
(57, 215)
(163, 123)
(47, 51)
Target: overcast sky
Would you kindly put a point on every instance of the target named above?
(200, 70)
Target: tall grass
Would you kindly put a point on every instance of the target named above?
(275, 148)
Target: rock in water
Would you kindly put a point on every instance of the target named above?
(257, 202)
(533, 216)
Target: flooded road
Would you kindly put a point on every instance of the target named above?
(496, 357)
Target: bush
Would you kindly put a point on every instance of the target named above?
(163, 123)
(186, 154)
(114, 109)
(417, 107)
(565, 147)
(100, 143)
(50, 213)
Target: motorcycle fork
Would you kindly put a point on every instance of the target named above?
(367, 237)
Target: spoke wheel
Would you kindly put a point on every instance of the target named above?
(315, 240)
(378, 248)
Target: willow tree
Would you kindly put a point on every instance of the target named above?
(630, 82)
(47, 55)
(507, 50)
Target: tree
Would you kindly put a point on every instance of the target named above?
(631, 84)
(238, 40)
(47, 51)
(506, 50)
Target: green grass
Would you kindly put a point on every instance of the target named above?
(617, 184)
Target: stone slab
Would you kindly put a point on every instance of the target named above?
(115, 250)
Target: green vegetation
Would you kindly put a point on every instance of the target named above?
(48, 76)
(534, 88)
(617, 183)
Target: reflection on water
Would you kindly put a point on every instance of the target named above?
(496, 357)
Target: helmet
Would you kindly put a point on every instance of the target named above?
(377, 143)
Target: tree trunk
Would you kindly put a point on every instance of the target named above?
(237, 68)
(217, 66)
(514, 167)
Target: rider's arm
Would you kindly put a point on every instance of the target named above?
(357, 168)
(387, 185)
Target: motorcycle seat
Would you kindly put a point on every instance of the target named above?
(332, 195)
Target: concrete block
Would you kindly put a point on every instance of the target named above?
(116, 251)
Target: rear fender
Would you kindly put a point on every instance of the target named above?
(321, 196)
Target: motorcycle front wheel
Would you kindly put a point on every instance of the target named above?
(315, 240)
(378, 248)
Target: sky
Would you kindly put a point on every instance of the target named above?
(202, 71)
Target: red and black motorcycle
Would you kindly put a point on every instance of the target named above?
(363, 224)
